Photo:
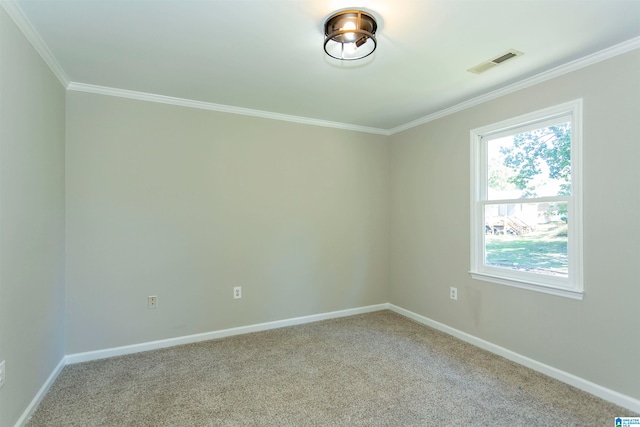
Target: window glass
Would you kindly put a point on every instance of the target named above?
(526, 201)
(529, 237)
(530, 164)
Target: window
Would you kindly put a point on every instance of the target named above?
(526, 219)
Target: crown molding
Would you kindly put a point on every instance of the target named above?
(15, 13)
(162, 99)
(22, 22)
(558, 71)
(577, 64)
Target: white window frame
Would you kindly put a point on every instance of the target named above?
(571, 286)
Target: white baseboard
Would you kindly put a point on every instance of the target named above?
(188, 339)
(592, 388)
(585, 385)
(38, 397)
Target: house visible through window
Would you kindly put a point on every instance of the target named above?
(526, 201)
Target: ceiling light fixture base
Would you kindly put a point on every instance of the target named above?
(350, 35)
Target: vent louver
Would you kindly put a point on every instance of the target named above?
(481, 68)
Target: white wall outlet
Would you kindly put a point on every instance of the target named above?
(1, 373)
(237, 292)
(152, 301)
(453, 293)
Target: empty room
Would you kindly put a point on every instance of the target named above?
(311, 213)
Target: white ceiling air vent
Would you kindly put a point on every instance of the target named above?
(481, 68)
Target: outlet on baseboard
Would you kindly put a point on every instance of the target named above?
(1, 373)
(152, 301)
(453, 293)
(237, 292)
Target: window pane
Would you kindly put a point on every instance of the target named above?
(529, 237)
(536, 163)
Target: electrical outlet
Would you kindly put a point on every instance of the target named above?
(152, 301)
(237, 292)
(1, 373)
(453, 294)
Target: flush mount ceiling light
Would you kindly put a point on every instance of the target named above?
(350, 35)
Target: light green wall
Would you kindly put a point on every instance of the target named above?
(598, 338)
(32, 132)
(186, 204)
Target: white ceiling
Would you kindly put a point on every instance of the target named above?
(267, 55)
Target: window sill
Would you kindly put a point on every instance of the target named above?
(536, 287)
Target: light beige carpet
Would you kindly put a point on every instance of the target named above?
(376, 369)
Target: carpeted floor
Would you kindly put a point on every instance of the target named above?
(376, 369)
